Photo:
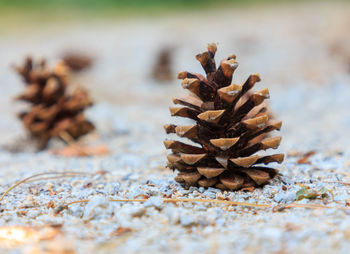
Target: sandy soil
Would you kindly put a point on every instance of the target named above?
(300, 53)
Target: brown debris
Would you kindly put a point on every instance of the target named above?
(21, 213)
(53, 109)
(231, 126)
(305, 158)
(292, 227)
(50, 204)
(121, 231)
(76, 150)
(340, 49)
(77, 61)
(162, 70)
(14, 236)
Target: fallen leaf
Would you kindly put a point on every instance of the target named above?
(223, 198)
(76, 150)
(58, 245)
(142, 195)
(278, 208)
(121, 231)
(51, 192)
(88, 185)
(310, 153)
(21, 213)
(307, 193)
(167, 196)
(292, 227)
(51, 204)
(305, 158)
(11, 236)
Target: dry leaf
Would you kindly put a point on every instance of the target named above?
(121, 231)
(307, 193)
(12, 236)
(292, 227)
(76, 150)
(305, 158)
(51, 204)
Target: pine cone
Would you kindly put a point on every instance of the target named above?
(53, 110)
(162, 70)
(77, 61)
(227, 130)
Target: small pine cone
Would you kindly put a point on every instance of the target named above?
(229, 121)
(162, 70)
(77, 61)
(53, 110)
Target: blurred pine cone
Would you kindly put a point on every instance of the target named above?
(229, 121)
(53, 111)
(77, 61)
(162, 70)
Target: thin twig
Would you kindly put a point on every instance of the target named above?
(70, 141)
(171, 200)
(174, 200)
(315, 206)
(53, 177)
(36, 175)
(213, 201)
(67, 138)
(344, 183)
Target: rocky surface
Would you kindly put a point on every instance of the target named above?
(309, 91)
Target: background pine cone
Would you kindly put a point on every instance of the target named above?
(77, 61)
(53, 110)
(162, 69)
(229, 118)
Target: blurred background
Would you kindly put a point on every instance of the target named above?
(135, 48)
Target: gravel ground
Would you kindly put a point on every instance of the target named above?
(289, 47)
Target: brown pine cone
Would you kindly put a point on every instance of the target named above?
(162, 70)
(77, 61)
(53, 110)
(229, 120)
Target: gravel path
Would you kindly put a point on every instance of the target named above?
(309, 90)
